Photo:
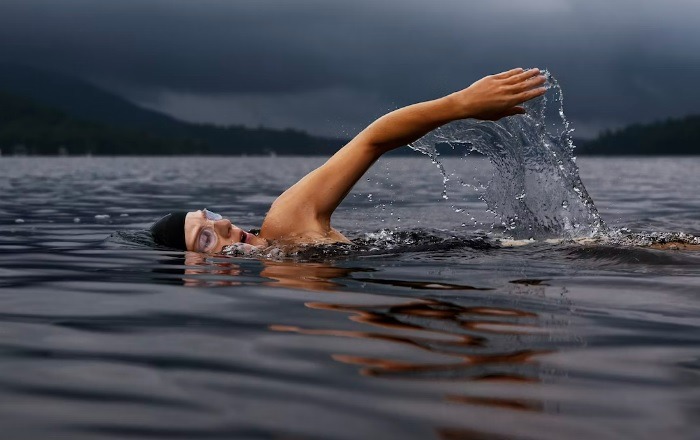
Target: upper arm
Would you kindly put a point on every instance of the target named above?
(318, 194)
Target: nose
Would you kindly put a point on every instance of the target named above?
(223, 227)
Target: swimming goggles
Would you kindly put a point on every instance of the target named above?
(207, 240)
(212, 215)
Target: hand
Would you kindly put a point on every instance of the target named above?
(496, 96)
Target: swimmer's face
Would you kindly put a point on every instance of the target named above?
(209, 233)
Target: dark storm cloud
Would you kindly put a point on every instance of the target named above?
(618, 61)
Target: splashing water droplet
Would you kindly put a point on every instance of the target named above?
(531, 154)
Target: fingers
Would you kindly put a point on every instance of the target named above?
(508, 74)
(517, 75)
(534, 81)
(532, 93)
(524, 76)
(527, 82)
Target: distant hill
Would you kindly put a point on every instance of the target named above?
(28, 128)
(85, 105)
(49, 113)
(669, 137)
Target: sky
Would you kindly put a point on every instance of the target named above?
(331, 67)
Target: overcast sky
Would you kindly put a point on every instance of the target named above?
(330, 67)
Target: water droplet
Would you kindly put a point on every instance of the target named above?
(538, 160)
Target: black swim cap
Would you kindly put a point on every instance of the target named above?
(170, 231)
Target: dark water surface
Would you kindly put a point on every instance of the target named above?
(434, 329)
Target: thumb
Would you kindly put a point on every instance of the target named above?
(517, 110)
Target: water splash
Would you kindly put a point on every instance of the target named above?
(366, 245)
(672, 240)
(246, 250)
(535, 191)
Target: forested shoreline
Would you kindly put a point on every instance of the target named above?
(45, 113)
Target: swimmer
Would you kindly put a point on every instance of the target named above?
(302, 214)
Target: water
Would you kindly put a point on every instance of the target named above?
(534, 189)
(430, 328)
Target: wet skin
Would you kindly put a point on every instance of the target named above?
(210, 236)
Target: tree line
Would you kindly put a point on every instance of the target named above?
(27, 127)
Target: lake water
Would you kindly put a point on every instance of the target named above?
(432, 328)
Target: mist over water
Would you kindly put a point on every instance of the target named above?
(535, 190)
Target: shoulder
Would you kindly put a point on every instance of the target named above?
(287, 218)
(298, 226)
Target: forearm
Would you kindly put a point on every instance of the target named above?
(491, 98)
(408, 124)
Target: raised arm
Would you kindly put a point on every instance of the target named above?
(313, 199)
(490, 98)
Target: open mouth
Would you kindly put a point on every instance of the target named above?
(244, 237)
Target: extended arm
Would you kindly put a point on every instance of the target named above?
(490, 98)
(314, 198)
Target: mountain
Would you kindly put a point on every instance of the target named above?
(81, 102)
(669, 137)
(48, 113)
(30, 128)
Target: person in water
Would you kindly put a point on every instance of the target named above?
(302, 214)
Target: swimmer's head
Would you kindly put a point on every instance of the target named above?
(169, 231)
(200, 231)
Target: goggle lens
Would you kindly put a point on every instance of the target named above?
(207, 240)
(212, 215)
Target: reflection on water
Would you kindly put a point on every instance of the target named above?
(473, 343)
(206, 270)
(484, 343)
